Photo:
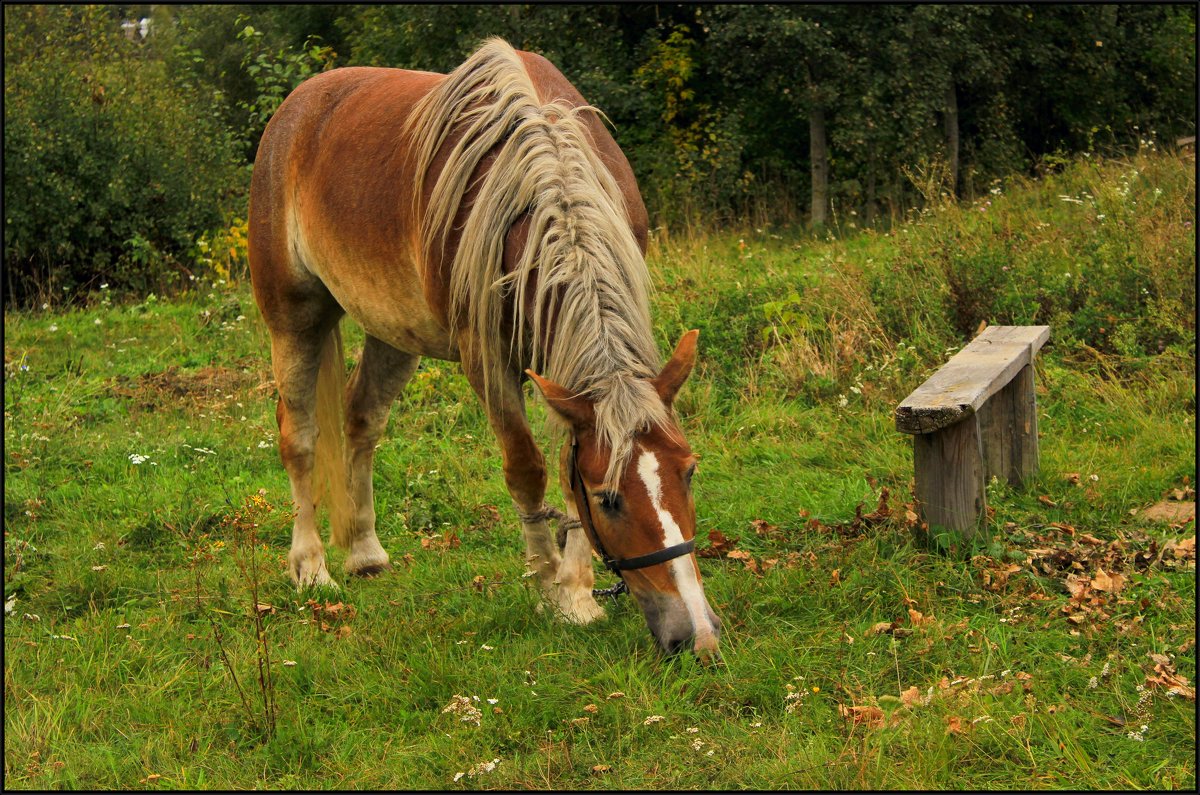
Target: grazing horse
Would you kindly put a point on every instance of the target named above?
(487, 217)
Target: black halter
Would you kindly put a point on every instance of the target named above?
(616, 566)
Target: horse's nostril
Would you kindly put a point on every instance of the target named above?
(673, 647)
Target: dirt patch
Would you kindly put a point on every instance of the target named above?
(207, 386)
(1169, 511)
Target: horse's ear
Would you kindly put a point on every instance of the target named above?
(575, 409)
(678, 369)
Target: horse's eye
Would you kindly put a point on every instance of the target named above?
(687, 476)
(610, 501)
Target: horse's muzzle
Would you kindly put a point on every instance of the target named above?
(672, 626)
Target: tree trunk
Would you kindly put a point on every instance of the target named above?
(869, 210)
(952, 136)
(819, 156)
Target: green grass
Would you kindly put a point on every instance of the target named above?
(801, 363)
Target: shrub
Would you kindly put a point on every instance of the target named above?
(111, 170)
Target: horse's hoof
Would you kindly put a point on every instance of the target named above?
(308, 571)
(370, 570)
(367, 560)
(318, 579)
(581, 610)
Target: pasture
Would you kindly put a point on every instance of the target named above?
(153, 640)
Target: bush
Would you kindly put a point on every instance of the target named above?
(111, 170)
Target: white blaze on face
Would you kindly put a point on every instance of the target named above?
(682, 570)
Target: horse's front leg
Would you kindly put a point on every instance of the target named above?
(564, 588)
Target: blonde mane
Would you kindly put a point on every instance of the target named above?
(581, 266)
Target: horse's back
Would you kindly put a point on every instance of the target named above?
(330, 205)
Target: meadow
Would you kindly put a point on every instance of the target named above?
(153, 640)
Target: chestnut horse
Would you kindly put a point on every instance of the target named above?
(487, 217)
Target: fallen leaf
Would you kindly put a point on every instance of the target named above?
(600, 769)
(917, 618)
(1166, 676)
(1002, 689)
(883, 627)
(617, 694)
(911, 697)
(1078, 586)
(954, 725)
(1109, 583)
(1044, 500)
(718, 545)
(1072, 478)
(1186, 549)
(764, 528)
(835, 577)
(264, 608)
(871, 716)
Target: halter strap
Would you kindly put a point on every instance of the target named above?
(615, 565)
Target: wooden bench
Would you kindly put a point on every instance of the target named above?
(974, 418)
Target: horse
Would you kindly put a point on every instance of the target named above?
(484, 216)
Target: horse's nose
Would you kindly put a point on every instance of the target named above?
(703, 643)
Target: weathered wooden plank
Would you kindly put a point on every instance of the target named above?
(1023, 437)
(949, 484)
(962, 385)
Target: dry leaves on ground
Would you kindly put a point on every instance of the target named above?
(448, 540)
(1165, 676)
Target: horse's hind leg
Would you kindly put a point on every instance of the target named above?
(379, 377)
(296, 359)
(568, 590)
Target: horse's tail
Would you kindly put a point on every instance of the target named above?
(329, 465)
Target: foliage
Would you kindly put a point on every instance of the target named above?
(110, 168)
(141, 142)
(275, 74)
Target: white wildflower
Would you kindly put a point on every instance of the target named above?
(466, 711)
(653, 719)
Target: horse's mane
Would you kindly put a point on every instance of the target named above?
(589, 279)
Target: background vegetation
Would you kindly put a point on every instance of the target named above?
(127, 161)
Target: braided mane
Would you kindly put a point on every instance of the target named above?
(588, 266)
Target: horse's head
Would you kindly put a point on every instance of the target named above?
(645, 517)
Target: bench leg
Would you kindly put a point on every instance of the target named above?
(1008, 425)
(949, 484)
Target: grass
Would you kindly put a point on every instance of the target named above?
(853, 658)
